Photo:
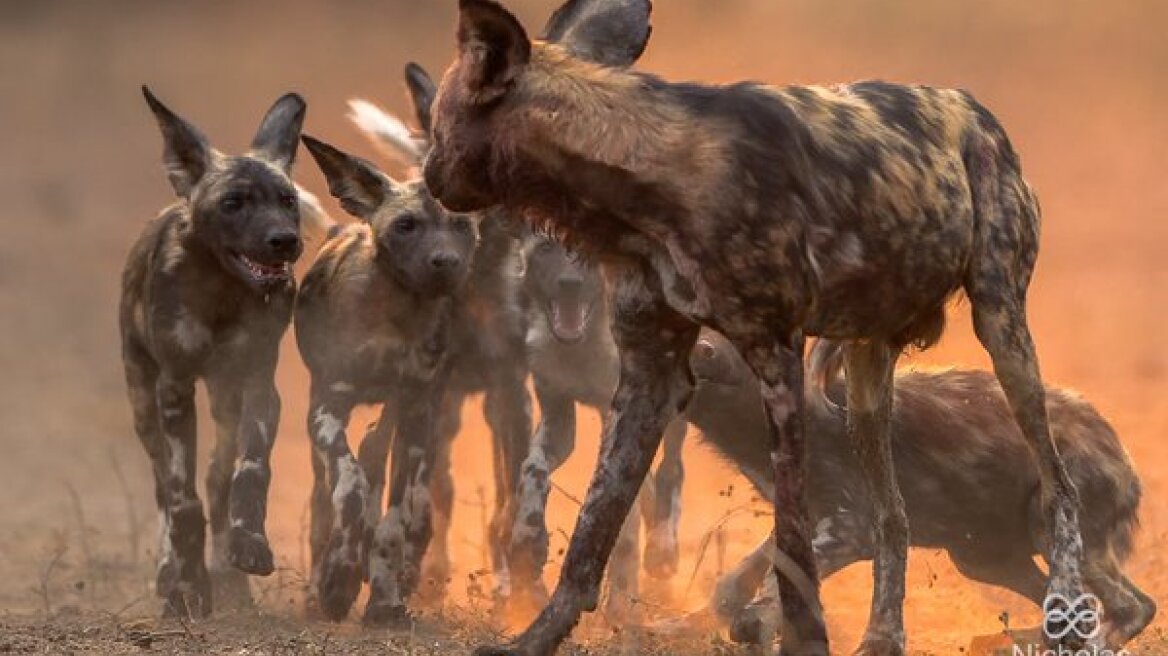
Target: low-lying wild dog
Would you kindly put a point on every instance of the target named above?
(852, 212)
(968, 479)
(207, 292)
(573, 360)
(412, 308)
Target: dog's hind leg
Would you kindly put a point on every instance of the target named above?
(373, 456)
(655, 384)
(401, 538)
(436, 564)
(662, 510)
(1127, 609)
(141, 382)
(869, 382)
(507, 406)
(778, 364)
(1005, 248)
(230, 584)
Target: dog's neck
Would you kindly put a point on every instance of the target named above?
(603, 154)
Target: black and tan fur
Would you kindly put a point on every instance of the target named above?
(969, 481)
(411, 309)
(770, 214)
(574, 360)
(207, 293)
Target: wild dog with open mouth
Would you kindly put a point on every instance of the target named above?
(573, 360)
(489, 357)
(409, 309)
(852, 212)
(969, 482)
(207, 292)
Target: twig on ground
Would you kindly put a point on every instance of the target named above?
(47, 573)
(557, 488)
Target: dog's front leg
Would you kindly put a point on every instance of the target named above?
(404, 532)
(655, 384)
(190, 594)
(248, 548)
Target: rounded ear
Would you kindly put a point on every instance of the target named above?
(493, 47)
(422, 92)
(608, 32)
(185, 151)
(359, 186)
(279, 132)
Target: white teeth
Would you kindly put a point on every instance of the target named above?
(264, 272)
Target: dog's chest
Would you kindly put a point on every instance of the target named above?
(586, 371)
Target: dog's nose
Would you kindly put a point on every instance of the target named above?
(284, 243)
(704, 349)
(444, 260)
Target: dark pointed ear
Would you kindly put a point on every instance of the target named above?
(422, 92)
(185, 151)
(359, 186)
(493, 47)
(608, 32)
(279, 133)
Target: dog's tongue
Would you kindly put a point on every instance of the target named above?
(568, 319)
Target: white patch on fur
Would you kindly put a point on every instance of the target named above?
(328, 428)
(342, 387)
(350, 478)
(189, 334)
(665, 533)
(386, 560)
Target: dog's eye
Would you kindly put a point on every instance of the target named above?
(462, 225)
(405, 225)
(289, 200)
(231, 203)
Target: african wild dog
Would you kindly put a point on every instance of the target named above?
(409, 309)
(489, 351)
(207, 293)
(850, 212)
(968, 479)
(573, 360)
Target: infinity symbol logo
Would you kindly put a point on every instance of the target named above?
(1060, 616)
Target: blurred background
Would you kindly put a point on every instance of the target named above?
(1080, 86)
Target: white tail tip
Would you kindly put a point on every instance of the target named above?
(387, 132)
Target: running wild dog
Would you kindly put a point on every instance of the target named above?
(207, 293)
(489, 356)
(573, 360)
(409, 309)
(770, 214)
(969, 482)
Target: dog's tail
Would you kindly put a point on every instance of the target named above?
(387, 132)
(314, 217)
(825, 365)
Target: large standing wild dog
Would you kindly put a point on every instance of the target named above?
(414, 308)
(968, 480)
(769, 214)
(207, 293)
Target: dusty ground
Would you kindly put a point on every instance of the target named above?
(1080, 85)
